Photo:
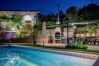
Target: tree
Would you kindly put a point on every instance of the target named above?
(16, 20)
(50, 19)
(62, 16)
(41, 17)
(89, 12)
(5, 18)
(72, 14)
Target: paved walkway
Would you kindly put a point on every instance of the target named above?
(93, 47)
(74, 53)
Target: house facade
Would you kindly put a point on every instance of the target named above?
(84, 32)
(7, 30)
(77, 32)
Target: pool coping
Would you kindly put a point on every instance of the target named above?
(69, 53)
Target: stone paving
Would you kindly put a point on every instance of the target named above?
(74, 53)
(93, 47)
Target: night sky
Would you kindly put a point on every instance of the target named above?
(45, 6)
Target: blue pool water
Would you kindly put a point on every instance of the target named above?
(19, 56)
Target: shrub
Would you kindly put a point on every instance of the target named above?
(76, 46)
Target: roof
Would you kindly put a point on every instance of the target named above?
(85, 22)
(74, 23)
(22, 10)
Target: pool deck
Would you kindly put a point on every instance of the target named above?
(93, 47)
(73, 53)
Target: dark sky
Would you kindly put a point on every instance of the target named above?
(45, 6)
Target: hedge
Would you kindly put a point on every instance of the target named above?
(76, 46)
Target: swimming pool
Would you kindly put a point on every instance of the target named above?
(20, 56)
